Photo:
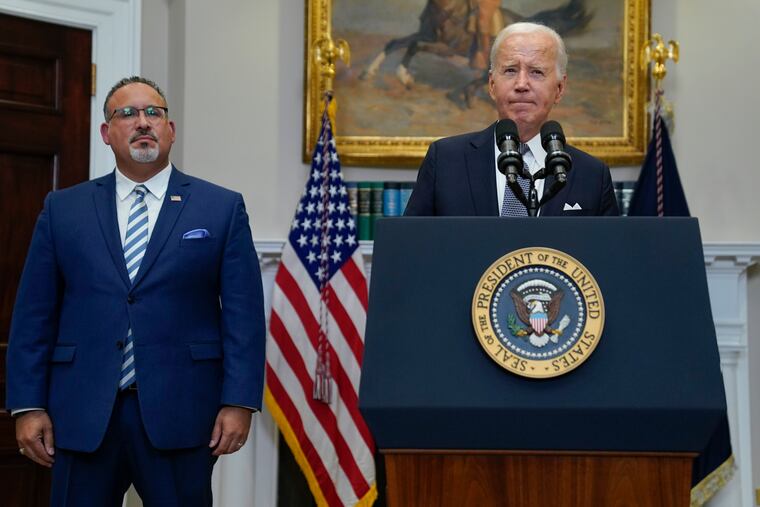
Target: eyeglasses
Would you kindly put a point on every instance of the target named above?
(153, 114)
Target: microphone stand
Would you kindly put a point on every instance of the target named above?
(531, 202)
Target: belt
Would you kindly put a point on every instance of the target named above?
(132, 388)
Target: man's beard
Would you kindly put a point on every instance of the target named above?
(144, 155)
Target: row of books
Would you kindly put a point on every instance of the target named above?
(370, 200)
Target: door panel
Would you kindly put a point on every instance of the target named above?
(45, 83)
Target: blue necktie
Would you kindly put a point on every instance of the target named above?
(135, 242)
(510, 205)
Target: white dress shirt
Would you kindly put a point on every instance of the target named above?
(125, 197)
(534, 159)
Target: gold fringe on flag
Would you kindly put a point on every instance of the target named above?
(290, 438)
(711, 484)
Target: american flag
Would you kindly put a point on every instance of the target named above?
(316, 339)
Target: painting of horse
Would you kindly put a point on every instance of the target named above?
(467, 28)
(420, 67)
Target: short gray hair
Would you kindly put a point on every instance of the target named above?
(127, 81)
(530, 28)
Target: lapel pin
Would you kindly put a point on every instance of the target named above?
(175, 198)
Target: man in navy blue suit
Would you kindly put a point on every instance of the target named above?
(527, 78)
(137, 343)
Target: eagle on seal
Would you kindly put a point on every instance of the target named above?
(536, 314)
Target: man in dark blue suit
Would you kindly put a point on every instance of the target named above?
(459, 176)
(137, 343)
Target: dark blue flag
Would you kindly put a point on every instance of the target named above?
(659, 191)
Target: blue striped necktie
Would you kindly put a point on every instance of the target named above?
(135, 242)
(510, 205)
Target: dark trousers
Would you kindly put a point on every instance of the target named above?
(173, 478)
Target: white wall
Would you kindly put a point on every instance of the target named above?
(154, 50)
(714, 88)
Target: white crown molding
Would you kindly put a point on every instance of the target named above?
(741, 254)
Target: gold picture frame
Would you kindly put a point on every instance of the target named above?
(626, 146)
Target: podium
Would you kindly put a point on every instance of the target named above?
(621, 429)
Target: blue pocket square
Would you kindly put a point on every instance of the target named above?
(196, 234)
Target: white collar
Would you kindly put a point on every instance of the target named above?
(156, 185)
(538, 151)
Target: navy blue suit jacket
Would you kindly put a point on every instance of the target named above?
(195, 308)
(457, 178)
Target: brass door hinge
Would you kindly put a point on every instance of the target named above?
(93, 79)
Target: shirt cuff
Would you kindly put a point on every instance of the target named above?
(252, 409)
(20, 411)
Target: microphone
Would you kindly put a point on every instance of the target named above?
(557, 161)
(510, 161)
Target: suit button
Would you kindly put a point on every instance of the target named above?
(119, 344)
(130, 299)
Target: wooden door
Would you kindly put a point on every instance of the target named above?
(45, 94)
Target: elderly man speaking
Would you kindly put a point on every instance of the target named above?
(460, 177)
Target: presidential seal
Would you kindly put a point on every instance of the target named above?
(538, 312)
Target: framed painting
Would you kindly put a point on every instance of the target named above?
(419, 72)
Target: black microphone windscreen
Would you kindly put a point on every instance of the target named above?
(551, 130)
(506, 128)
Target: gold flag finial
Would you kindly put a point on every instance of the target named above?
(656, 52)
(326, 54)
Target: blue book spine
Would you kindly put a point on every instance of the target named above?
(391, 199)
(404, 193)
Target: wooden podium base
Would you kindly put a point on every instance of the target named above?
(440, 478)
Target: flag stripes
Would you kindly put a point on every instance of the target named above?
(300, 306)
(333, 427)
(345, 370)
(289, 421)
(356, 279)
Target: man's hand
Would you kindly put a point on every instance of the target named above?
(230, 430)
(34, 435)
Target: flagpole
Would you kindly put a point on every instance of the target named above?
(657, 53)
(326, 54)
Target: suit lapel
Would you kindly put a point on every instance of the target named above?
(105, 209)
(170, 210)
(481, 164)
(556, 204)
